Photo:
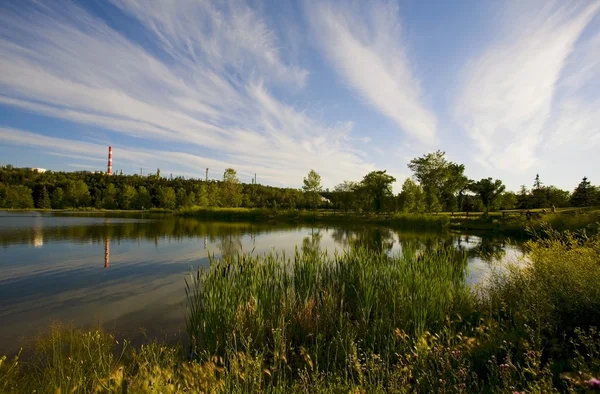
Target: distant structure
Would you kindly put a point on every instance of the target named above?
(40, 170)
(109, 172)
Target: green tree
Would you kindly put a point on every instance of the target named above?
(344, 194)
(58, 196)
(557, 197)
(143, 199)
(167, 198)
(77, 194)
(109, 198)
(127, 197)
(202, 195)
(489, 191)
(312, 187)
(18, 196)
(507, 200)
(44, 199)
(231, 192)
(584, 194)
(440, 179)
(411, 197)
(537, 183)
(378, 185)
(524, 198)
(182, 198)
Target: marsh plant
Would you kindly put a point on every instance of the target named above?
(360, 322)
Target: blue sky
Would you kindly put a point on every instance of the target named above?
(510, 89)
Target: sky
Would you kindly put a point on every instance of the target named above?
(275, 88)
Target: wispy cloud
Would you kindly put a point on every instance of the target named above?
(509, 90)
(208, 83)
(364, 42)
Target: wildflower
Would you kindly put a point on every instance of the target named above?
(594, 383)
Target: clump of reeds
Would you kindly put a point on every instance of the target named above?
(319, 305)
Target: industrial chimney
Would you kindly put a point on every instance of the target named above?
(110, 160)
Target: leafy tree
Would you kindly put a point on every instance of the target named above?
(524, 198)
(58, 196)
(127, 197)
(143, 199)
(44, 199)
(182, 198)
(489, 191)
(77, 194)
(378, 185)
(507, 200)
(312, 187)
(584, 194)
(411, 197)
(440, 179)
(167, 198)
(556, 196)
(214, 195)
(18, 197)
(109, 200)
(344, 194)
(232, 189)
(202, 195)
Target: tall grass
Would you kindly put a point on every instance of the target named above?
(355, 322)
(321, 304)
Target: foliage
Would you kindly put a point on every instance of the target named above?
(167, 198)
(312, 187)
(232, 189)
(440, 185)
(44, 199)
(488, 190)
(411, 197)
(440, 179)
(356, 322)
(584, 194)
(377, 185)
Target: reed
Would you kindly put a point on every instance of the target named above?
(355, 322)
(322, 304)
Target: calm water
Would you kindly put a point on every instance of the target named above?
(127, 272)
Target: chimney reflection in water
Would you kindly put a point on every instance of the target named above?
(107, 252)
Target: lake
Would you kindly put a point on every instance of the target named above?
(126, 271)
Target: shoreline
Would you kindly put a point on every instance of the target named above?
(494, 223)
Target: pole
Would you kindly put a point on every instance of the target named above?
(207, 175)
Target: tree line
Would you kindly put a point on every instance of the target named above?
(437, 184)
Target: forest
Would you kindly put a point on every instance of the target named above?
(437, 185)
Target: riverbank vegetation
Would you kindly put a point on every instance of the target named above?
(355, 322)
(436, 185)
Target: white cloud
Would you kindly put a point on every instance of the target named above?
(365, 45)
(508, 92)
(205, 84)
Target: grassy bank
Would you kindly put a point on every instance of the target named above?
(522, 226)
(358, 322)
(401, 221)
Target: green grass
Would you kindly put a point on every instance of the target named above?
(521, 226)
(356, 322)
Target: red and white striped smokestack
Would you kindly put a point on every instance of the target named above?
(110, 160)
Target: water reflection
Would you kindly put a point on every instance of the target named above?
(52, 267)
